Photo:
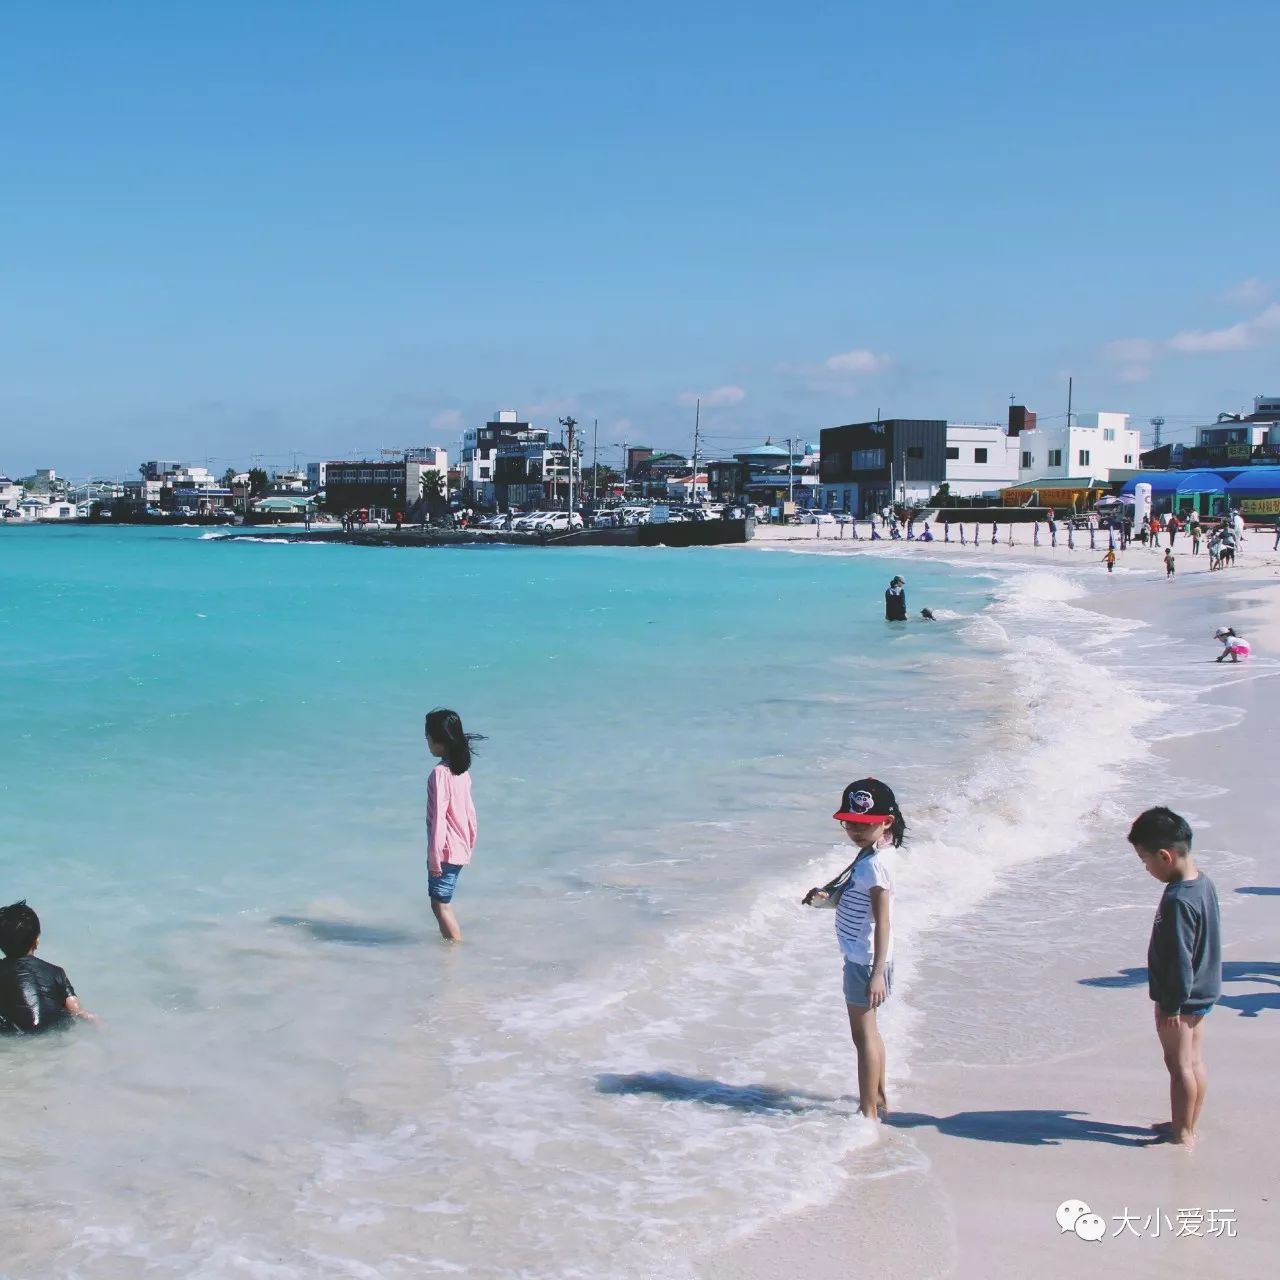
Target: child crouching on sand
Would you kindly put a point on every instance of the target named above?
(1184, 962)
(863, 896)
(451, 815)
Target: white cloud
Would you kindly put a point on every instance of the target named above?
(719, 398)
(1248, 333)
(1131, 350)
(1137, 354)
(859, 361)
(1248, 293)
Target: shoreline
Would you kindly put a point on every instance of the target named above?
(968, 1182)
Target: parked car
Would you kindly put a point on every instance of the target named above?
(560, 522)
(817, 517)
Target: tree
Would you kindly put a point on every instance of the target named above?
(228, 476)
(259, 482)
(605, 478)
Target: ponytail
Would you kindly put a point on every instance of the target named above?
(898, 829)
(444, 727)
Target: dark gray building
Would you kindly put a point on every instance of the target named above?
(868, 465)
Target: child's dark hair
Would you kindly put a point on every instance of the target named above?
(19, 929)
(1160, 829)
(898, 831)
(445, 727)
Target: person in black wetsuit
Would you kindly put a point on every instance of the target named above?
(895, 601)
(34, 995)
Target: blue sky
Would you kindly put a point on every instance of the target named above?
(243, 229)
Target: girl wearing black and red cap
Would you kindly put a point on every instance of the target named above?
(862, 895)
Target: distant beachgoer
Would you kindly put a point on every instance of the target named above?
(1226, 551)
(927, 615)
(1173, 525)
(862, 896)
(1155, 533)
(1110, 559)
(1184, 962)
(1233, 646)
(1196, 533)
(451, 815)
(399, 520)
(1169, 566)
(1275, 546)
(895, 601)
(35, 996)
(1237, 527)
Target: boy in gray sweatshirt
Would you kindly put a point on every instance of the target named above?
(1184, 961)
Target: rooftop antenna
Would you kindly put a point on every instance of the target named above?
(1157, 422)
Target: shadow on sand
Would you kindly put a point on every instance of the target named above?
(1248, 1005)
(1027, 1128)
(759, 1098)
(348, 934)
(1261, 890)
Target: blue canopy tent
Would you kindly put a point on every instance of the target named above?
(1202, 492)
(1256, 491)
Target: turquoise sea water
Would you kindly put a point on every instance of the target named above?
(214, 792)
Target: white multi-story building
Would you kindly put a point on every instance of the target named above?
(11, 494)
(316, 475)
(1091, 446)
(480, 447)
(981, 458)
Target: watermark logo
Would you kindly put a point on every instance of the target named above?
(1076, 1216)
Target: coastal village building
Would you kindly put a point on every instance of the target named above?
(1233, 440)
(317, 473)
(867, 466)
(480, 447)
(11, 494)
(391, 484)
(1091, 444)
(530, 471)
(767, 474)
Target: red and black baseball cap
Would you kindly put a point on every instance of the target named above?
(867, 800)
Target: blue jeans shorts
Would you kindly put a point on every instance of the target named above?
(440, 888)
(857, 981)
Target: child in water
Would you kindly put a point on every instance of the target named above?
(34, 994)
(451, 815)
(863, 896)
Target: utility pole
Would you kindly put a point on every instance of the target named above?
(570, 424)
(623, 446)
(791, 470)
(595, 458)
(1157, 422)
(1070, 388)
(693, 479)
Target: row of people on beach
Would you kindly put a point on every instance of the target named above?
(1183, 958)
(1184, 950)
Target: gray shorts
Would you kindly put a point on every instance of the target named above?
(857, 980)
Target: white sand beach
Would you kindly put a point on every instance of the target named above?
(989, 1139)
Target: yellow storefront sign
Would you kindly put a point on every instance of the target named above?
(1049, 497)
(1260, 507)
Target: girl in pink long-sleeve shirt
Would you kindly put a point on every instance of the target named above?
(451, 815)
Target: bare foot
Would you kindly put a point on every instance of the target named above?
(882, 1106)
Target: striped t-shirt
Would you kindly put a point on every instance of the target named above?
(855, 925)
